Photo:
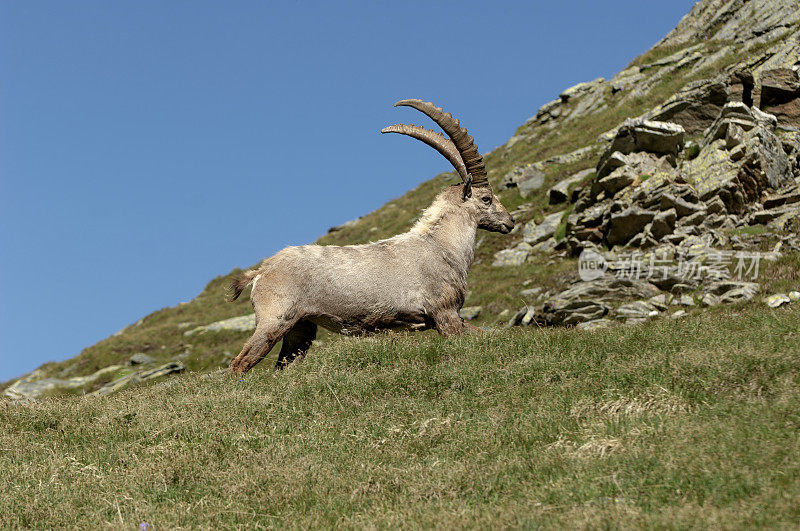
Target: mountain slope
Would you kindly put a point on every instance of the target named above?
(666, 425)
(678, 80)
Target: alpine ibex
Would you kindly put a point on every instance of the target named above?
(416, 280)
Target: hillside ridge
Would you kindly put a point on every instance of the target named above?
(692, 149)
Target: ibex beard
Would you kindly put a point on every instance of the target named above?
(413, 281)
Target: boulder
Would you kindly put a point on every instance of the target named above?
(140, 358)
(140, 376)
(596, 324)
(561, 191)
(243, 323)
(470, 312)
(694, 219)
(663, 223)
(712, 171)
(729, 291)
(569, 313)
(533, 233)
(734, 114)
(636, 310)
(527, 179)
(779, 299)
(626, 224)
(512, 257)
(773, 201)
(766, 216)
(780, 94)
(695, 106)
(32, 385)
(660, 138)
(680, 206)
(609, 288)
(617, 180)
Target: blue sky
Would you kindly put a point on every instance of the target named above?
(146, 147)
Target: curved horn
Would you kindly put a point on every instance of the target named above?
(435, 140)
(463, 142)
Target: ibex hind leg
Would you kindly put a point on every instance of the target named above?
(266, 336)
(449, 323)
(296, 343)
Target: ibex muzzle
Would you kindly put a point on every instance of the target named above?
(415, 280)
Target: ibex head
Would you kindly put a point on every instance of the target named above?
(462, 153)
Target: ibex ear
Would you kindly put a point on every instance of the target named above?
(467, 193)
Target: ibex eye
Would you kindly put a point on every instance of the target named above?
(487, 199)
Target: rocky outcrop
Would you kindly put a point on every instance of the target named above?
(639, 198)
(139, 377)
(242, 323)
(32, 386)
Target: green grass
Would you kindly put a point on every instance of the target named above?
(672, 424)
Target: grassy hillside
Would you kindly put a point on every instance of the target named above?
(690, 423)
(161, 334)
(693, 422)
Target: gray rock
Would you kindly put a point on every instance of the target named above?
(531, 292)
(626, 224)
(735, 114)
(560, 192)
(141, 358)
(780, 92)
(663, 223)
(596, 324)
(695, 106)
(530, 184)
(661, 138)
(682, 208)
(609, 288)
(533, 233)
(32, 386)
(773, 201)
(545, 246)
(569, 313)
(779, 299)
(766, 216)
(713, 171)
(617, 180)
(580, 89)
(678, 314)
(729, 291)
(695, 219)
(715, 206)
(470, 312)
(527, 179)
(516, 319)
(140, 376)
(636, 310)
(243, 323)
(512, 257)
(612, 162)
(528, 317)
(734, 136)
